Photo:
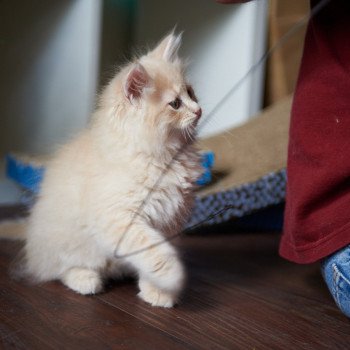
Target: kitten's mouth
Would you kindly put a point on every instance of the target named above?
(195, 122)
(192, 124)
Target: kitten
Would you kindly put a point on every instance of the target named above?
(99, 213)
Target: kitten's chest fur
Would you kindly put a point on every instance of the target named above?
(161, 192)
(169, 200)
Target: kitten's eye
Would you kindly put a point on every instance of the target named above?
(176, 104)
(191, 94)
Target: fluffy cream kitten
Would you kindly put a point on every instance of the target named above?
(99, 212)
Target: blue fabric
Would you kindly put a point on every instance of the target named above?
(25, 174)
(336, 272)
(207, 163)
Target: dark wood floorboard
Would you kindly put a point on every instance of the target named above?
(240, 295)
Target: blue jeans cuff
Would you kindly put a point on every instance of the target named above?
(336, 273)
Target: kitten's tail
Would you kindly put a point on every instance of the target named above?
(13, 229)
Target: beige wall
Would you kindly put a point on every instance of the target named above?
(48, 68)
(283, 65)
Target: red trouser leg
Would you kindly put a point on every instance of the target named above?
(317, 214)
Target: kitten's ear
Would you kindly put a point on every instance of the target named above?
(135, 83)
(168, 48)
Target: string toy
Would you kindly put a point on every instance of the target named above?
(205, 120)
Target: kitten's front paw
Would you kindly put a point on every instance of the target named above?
(83, 281)
(155, 296)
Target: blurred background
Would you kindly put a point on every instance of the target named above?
(56, 55)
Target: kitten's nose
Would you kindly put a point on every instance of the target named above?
(198, 112)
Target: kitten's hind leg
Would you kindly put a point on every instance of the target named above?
(83, 280)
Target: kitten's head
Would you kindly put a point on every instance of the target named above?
(153, 93)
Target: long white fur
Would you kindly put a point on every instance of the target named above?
(94, 186)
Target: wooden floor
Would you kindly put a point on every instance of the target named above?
(240, 295)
